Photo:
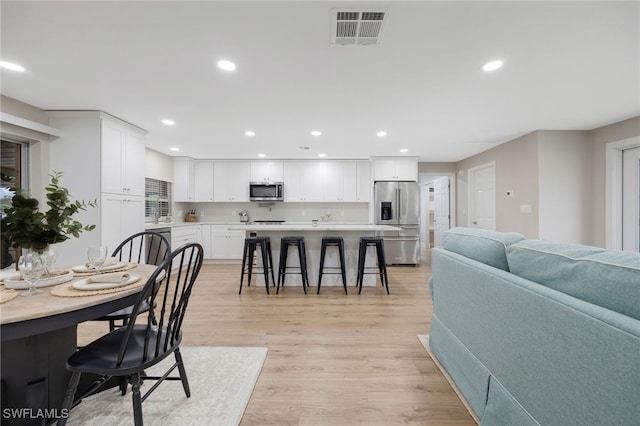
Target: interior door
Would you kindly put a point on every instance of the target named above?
(482, 197)
(631, 199)
(442, 215)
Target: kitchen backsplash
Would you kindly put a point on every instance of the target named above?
(292, 212)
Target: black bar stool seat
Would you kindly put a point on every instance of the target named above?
(250, 245)
(333, 242)
(378, 243)
(285, 243)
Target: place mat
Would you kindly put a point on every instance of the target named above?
(126, 267)
(66, 289)
(7, 295)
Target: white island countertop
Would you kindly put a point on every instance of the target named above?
(321, 226)
(286, 226)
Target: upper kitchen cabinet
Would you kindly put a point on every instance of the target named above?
(122, 152)
(364, 187)
(395, 169)
(267, 171)
(340, 181)
(231, 181)
(327, 181)
(183, 179)
(203, 181)
(303, 181)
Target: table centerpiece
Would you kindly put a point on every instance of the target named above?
(24, 225)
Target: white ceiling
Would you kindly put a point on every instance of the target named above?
(567, 66)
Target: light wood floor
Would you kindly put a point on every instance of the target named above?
(333, 359)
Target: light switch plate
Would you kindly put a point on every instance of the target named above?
(525, 208)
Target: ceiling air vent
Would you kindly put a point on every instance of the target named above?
(354, 27)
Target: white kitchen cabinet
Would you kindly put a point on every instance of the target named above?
(183, 179)
(122, 158)
(203, 180)
(395, 169)
(122, 216)
(363, 184)
(340, 181)
(205, 240)
(181, 235)
(226, 244)
(101, 157)
(267, 171)
(303, 181)
(322, 181)
(231, 181)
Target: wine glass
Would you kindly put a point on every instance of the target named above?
(49, 258)
(31, 267)
(97, 255)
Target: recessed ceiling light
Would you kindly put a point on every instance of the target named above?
(262, 155)
(250, 133)
(168, 122)
(492, 66)
(316, 133)
(322, 155)
(11, 66)
(226, 65)
(381, 134)
(404, 150)
(173, 148)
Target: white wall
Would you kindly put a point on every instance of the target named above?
(564, 186)
(77, 155)
(158, 166)
(516, 170)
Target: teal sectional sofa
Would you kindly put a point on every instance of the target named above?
(537, 333)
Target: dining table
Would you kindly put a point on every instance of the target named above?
(39, 332)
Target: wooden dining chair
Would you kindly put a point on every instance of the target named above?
(128, 351)
(144, 247)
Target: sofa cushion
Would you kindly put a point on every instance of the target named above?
(482, 245)
(607, 278)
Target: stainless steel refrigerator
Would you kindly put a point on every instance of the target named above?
(398, 204)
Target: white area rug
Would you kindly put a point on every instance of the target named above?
(221, 382)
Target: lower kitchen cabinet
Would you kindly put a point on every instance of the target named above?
(181, 235)
(122, 216)
(205, 240)
(226, 244)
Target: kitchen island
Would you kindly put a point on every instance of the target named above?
(313, 235)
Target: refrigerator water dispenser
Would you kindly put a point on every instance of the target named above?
(385, 210)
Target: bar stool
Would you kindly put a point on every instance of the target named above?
(285, 243)
(378, 243)
(333, 242)
(250, 245)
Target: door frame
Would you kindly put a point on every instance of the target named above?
(613, 190)
(423, 179)
(470, 175)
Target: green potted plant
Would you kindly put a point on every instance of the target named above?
(24, 225)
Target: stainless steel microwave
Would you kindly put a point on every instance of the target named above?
(266, 191)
